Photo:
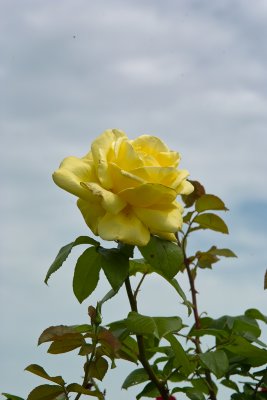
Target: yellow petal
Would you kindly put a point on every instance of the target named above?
(148, 194)
(165, 219)
(92, 213)
(165, 235)
(149, 144)
(124, 227)
(102, 152)
(185, 187)
(168, 159)
(109, 201)
(127, 158)
(158, 149)
(165, 175)
(72, 172)
(122, 179)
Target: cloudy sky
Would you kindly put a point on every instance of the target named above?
(191, 72)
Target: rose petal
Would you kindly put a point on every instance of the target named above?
(92, 213)
(185, 187)
(165, 219)
(165, 175)
(72, 172)
(109, 201)
(165, 235)
(102, 152)
(148, 194)
(155, 147)
(126, 157)
(122, 179)
(124, 227)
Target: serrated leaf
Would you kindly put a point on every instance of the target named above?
(115, 265)
(46, 392)
(66, 344)
(187, 217)
(56, 333)
(209, 202)
(256, 314)
(211, 221)
(165, 257)
(221, 252)
(140, 265)
(76, 388)
(206, 259)
(65, 251)
(181, 293)
(86, 274)
(167, 325)
(150, 390)
(194, 394)
(216, 361)
(181, 360)
(107, 338)
(135, 378)
(230, 384)
(254, 355)
(98, 368)
(140, 324)
(12, 396)
(38, 370)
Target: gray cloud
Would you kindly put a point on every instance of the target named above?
(193, 73)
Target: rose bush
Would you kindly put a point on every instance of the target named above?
(126, 188)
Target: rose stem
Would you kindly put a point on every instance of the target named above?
(140, 342)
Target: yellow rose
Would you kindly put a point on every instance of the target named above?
(126, 188)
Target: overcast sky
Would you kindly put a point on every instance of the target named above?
(193, 73)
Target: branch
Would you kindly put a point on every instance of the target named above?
(140, 342)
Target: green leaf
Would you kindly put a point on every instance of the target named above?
(230, 384)
(256, 314)
(167, 325)
(180, 357)
(140, 265)
(181, 293)
(211, 221)
(206, 259)
(253, 355)
(46, 392)
(12, 397)
(38, 370)
(221, 252)
(76, 388)
(216, 361)
(56, 333)
(135, 378)
(86, 274)
(107, 297)
(141, 324)
(150, 390)
(194, 394)
(65, 251)
(66, 344)
(115, 265)
(165, 257)
(98, 368)
(209, 202)
(201, 385)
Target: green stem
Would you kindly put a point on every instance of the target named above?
(195, 312)
(162, 388)
(88, 366)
